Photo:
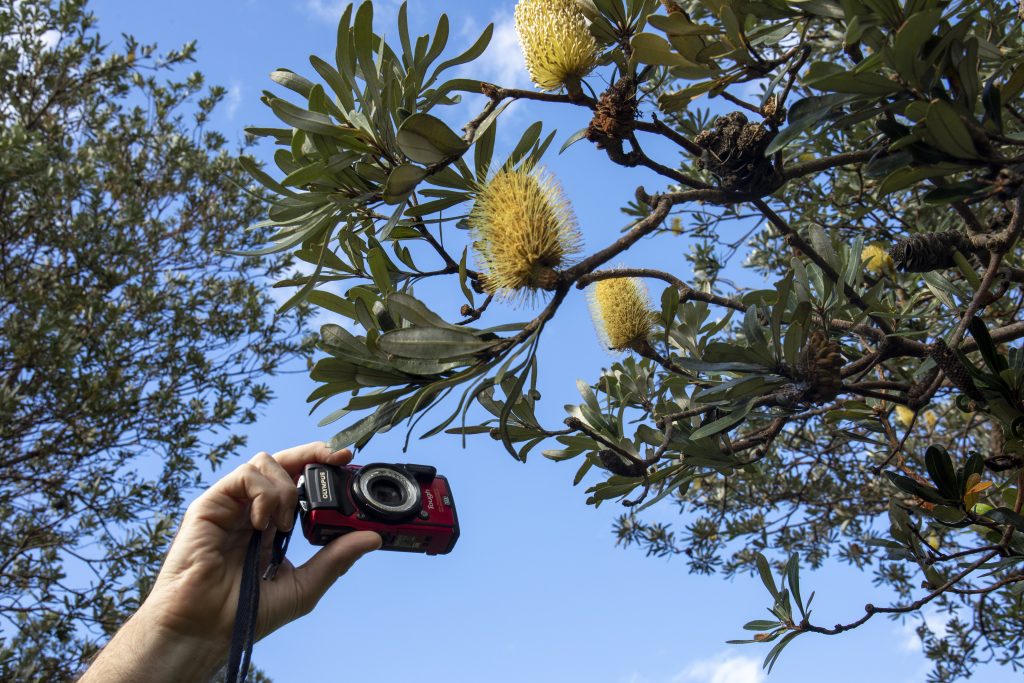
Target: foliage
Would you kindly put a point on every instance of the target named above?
(766, 415)
(130, 345)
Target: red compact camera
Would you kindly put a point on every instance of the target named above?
(410, 506)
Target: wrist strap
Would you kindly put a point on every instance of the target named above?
(244, 632)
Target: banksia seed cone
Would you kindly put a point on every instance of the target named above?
(523, 228)
(734, 153)
(557, 44)
(616, 464)
(956, 373)
(876, 259)
(615, 114)
(622, 312)
(820, 365)
(929, 251)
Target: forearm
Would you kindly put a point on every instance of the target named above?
(144, 651)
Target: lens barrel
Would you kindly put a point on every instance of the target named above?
(387, 492)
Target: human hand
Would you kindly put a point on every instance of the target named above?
(191, 608)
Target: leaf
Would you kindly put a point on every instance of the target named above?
(431, 343)
(428, 140)
(940, 469)
(309, 121)
(401, 182)
(926, 493)
(292, 81)
(948, 131)
(575, 137)
(1004, 515)
(773, 655)
(986, 346)
(764, 569)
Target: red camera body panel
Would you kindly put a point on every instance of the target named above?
(331, 507)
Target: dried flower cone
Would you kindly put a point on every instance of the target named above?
(557, 44)
(958, 375)
(821, 364)
(615, 114)
(523, 228)
(616, 464)
(734, 153)
(876, 259)
(622, 312)
(929, 251)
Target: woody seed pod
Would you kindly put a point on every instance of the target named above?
(523, 228)
(925, 252)
(954, 369)
(557, 44)
(820, 364)
(616, 464)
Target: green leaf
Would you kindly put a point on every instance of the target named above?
(940, 469)
(986, 346)
(401, 182)
(908, 485)
(309, 121)
(765, 570)
(428, 140)
(575, 137)
(948, 132)
(431, 343)
(292, 81)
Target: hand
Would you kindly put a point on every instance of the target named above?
(191, 608)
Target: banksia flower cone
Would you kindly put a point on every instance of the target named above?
(622, 312)
(904, 415)
(821, 364)
(557, 44)
(925, 252)
(876, 259)
(523, 228)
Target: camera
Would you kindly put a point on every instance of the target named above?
(410, 506)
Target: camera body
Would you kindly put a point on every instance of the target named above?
(410, 506)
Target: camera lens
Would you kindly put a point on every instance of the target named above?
(387, 492)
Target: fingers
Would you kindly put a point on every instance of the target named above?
(247, 483)
(284, 515)
(323, 569)
(295, 458)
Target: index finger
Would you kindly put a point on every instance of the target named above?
(294, 459)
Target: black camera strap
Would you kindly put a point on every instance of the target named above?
(243, 635)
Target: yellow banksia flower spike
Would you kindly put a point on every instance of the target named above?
(557, 44)
(523, 228)
(876, 259)
(904, 415)
(622, 312)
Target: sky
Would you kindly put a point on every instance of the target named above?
(535, 589)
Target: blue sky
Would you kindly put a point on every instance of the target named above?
(535, 589)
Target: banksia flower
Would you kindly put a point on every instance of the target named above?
(557, 44)
(622, 312)
(821, 364)
(876, 259)
(523, 228)
(904, 415)
(925, 252)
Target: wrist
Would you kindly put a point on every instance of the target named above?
(145, 648)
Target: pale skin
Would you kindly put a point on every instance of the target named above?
(182, 630)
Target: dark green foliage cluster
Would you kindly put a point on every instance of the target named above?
(861, 406)
(129, 343)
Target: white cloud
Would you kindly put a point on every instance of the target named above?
(724, 667)
(50, 38)
(330, 10)
(910, 642)
(327, 10)
(232, 100)
(502, 63)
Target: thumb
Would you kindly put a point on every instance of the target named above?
(330, 562)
